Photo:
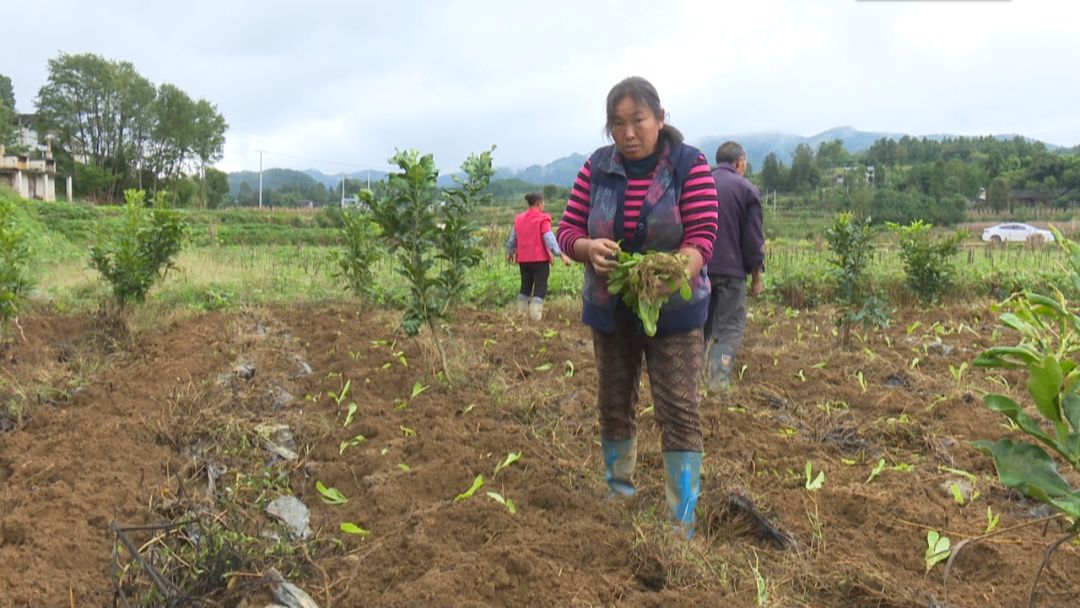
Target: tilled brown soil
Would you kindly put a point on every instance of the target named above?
(166, 427)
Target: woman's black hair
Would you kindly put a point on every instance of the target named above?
(534, 198)
(644, 93)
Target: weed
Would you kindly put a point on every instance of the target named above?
(937, 549)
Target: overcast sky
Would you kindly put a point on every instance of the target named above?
(337, 86)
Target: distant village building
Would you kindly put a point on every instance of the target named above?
(32, 179)
(1029, 197)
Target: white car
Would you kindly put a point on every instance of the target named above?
(1017, 232)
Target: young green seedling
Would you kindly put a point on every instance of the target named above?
(350, 415)
(862, 380)
(878, 468)
(330, 496)
(937, 548)
(813, 484)
(510, 459)
(569, 368)
(351, 528)
(992, 520)
(467, 494)
(958, 372)
(348, 443)
(957, 494)
(417, 389)
(506, 502)
(339, 397)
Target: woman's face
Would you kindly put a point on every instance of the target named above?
(635, 129)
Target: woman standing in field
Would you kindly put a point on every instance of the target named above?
(652, 192)
(532, 245)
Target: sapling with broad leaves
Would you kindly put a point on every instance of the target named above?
(435, 241)
(15, 279)
(1049, 342)
(361, 251)
(928, 269)
(136, 253)
(852, 243)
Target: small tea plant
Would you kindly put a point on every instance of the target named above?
(137, 253)
(15, 280)
(927, 261)
(852, 243)
(361, 251)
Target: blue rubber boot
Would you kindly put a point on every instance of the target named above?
(619, 460)
(682, 486)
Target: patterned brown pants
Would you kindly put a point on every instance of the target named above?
(674, 364)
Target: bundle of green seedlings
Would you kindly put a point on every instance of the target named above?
(646, 280)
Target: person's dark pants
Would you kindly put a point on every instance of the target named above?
(674, 367)
(724, 327)
(534, 279)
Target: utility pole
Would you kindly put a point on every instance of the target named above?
(260, 178)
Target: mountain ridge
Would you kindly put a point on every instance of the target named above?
(563, 171)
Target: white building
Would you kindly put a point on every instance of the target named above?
(32, 179)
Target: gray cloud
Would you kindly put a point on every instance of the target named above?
(338, 86)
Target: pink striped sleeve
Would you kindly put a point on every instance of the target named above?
(575, 219)
(699, 209)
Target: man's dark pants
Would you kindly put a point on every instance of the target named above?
(724, 328)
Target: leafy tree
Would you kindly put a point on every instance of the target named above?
(457, 242)
(109, 113)
(217, 188)
(245, 194)
(99, 108)
(7, 92)
(7, 111)
(927, 261)
(360, 253)
(832, 154)
(804, 175)
(15, 278)
(773, 175)
(434, 240)
(135, 254)
(852, 243)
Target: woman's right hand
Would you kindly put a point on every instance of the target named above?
(603, 255)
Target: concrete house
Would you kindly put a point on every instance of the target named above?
(32, 179)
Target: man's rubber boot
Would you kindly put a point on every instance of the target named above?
(682, 486)
(718, 369)
(619, 460)
(522, 304)
(536, 309)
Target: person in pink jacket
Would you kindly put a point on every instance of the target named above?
(532, 246)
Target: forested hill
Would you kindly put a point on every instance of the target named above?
(562, 171)
(783, 145)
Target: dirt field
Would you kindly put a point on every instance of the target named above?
(167, 426)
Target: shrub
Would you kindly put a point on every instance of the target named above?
(435, 241)
(360, 253)
(852, 243)
(927, 261)
(15, 279)
(135, 254)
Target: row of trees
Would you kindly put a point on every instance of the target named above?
(941, 170)
(7, 112)
(113, 129)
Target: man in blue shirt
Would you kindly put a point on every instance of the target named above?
(739, 250)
